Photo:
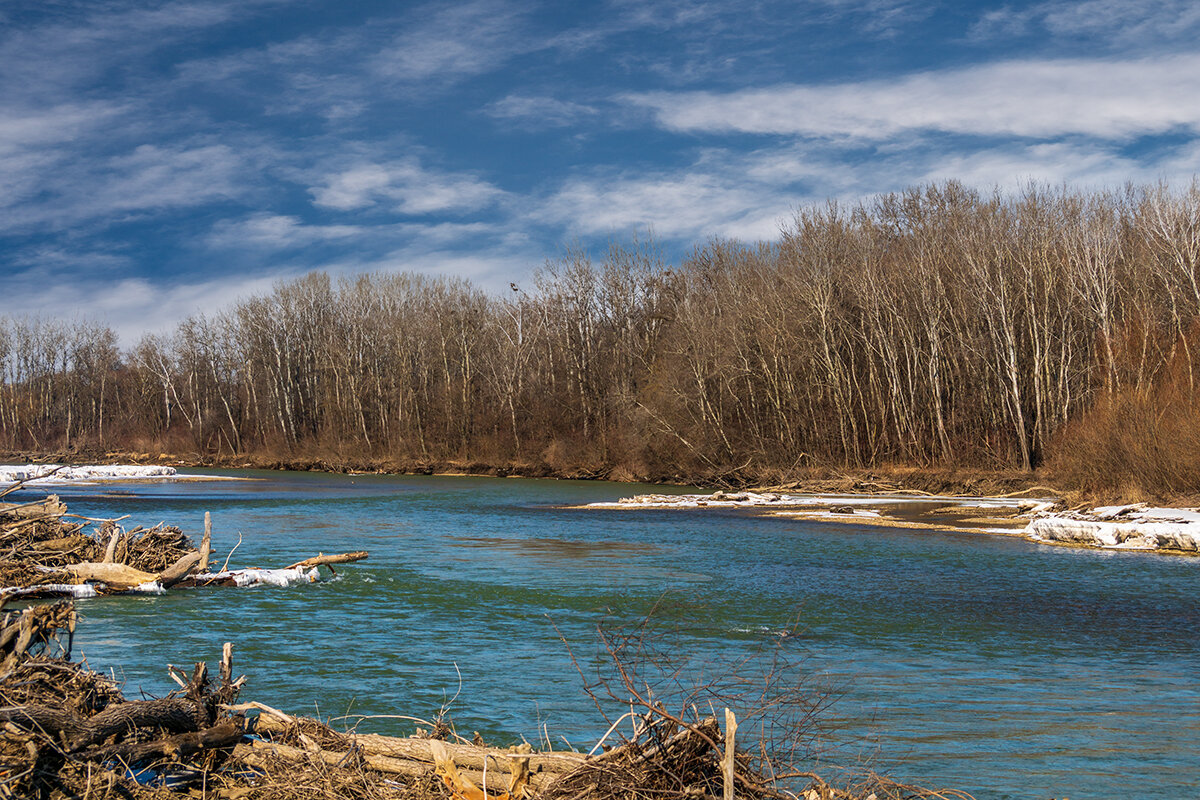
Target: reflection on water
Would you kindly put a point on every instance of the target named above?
(996, 665)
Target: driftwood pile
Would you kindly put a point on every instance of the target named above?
(67, 732)
(46, 552)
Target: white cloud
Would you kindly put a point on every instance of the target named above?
(147, 179)
(1108, 99)
(1150, 23)
(92, 282)
(24, 128)
(685, 204)
(132, 305)
(266, 232)
(748, 195)
(453, 41)
(405, 186)
(276, 232)
(539, 112)
(68, 50)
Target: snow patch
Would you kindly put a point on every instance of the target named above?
(721, 499)
(76, 590)
(1133, 527)
(41, 473)
(262, 577)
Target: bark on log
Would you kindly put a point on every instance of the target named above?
(465, 756)
(180, 746)
(340, 558)
(175, 714)
(258, 753)
(41, 718)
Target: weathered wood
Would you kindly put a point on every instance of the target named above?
(707, 730)
(227, 664)
(322, 559)
(175, 714)
(257, 753)
(185, 566)
(117, 576)
(205, 543)
(111, 551)
(29, 522)
(727, 762)
(49, 507)
(34, 624)
(41, 718)
(463, 755)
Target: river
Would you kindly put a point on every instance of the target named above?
(988, 664)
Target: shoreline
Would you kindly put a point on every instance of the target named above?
(969, 502)
(966, 482)
(1135, 528)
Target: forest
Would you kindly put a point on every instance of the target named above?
(1051, 329)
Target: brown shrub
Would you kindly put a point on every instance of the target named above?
(1133, 445)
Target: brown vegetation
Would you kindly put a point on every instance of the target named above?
(69, 732)
(939, 327)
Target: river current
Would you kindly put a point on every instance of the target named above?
(984, 663)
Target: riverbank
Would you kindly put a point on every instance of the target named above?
(1042, 519)
(812, 479)
(969, 501)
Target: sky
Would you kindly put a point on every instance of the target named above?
(163, 159)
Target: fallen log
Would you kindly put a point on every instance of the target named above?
(123, 576)
(116, 576)
(324, 560)
(110, 552)
(181, 569)
(258, 753)
(174, 714)
(48, 507)
(178, 747)
(420, 750)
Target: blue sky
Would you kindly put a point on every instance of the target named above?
(162, 159)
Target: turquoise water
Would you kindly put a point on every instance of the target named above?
(989, 664)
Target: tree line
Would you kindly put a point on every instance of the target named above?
(937, 326)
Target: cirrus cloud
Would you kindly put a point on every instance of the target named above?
(1031, 98)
